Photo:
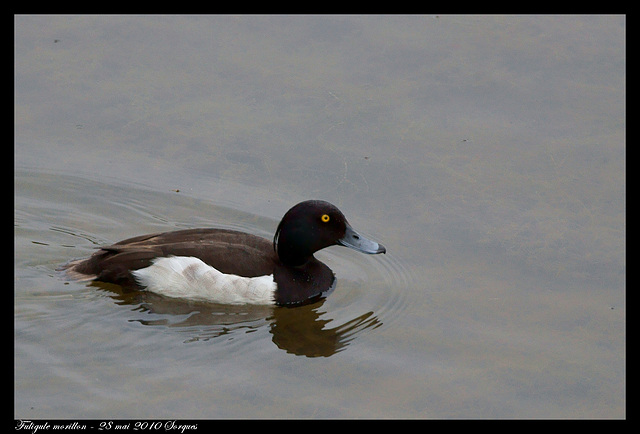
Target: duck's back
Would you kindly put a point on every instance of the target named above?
(230, 252)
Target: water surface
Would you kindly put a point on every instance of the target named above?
(486, 153)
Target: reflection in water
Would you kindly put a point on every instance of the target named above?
(299, 330)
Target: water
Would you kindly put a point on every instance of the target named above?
(486, 153)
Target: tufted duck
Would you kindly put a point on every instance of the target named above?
(226, 266)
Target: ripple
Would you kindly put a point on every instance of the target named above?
(377, 284)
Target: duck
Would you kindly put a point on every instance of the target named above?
(228, 266)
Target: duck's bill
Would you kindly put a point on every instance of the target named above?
(356, 241)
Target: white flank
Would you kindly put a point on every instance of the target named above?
(190, 278)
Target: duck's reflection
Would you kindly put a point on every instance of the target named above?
(303, 330)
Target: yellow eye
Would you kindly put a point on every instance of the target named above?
(325, 218)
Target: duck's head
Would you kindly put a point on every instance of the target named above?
(313, 225)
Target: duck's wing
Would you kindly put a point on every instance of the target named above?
(231, 252)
